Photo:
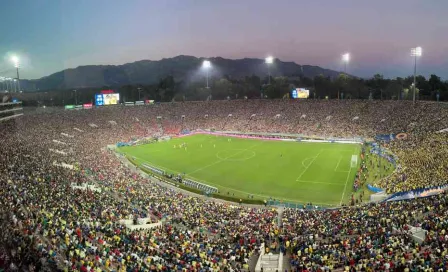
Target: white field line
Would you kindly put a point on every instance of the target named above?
(323, 182)
(305, 160)
(337, 165)
(219, 161)
(231, 189)
(345, 186)
(264, 196)
(306, 168)
(346, 181)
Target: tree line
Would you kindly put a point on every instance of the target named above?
(254, 87)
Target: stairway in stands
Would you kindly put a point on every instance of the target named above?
(160, 126)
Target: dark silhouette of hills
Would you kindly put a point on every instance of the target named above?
(182, 68)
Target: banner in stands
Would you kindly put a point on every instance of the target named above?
(417, 193)
(374, 189)
(384, 153)
(385, 137)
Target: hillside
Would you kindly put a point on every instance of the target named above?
(182, 68)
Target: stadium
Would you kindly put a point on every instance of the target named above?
(239, 185)
(223, 136)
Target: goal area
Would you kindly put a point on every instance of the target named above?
(354, 161)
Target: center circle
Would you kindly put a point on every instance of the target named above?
(235, 155)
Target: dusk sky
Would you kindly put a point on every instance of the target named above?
(50, 36)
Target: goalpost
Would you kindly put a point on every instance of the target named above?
(354, 161)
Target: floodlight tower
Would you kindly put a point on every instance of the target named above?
(15, 60)
(345, 59)
(207, 65)
(415, 52)
(269, 60)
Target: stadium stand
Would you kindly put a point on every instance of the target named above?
(49, 223)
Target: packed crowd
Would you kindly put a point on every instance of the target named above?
(46, 224)
(423, 163)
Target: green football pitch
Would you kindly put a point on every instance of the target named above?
(297, 172)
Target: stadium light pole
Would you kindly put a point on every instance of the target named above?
(11, 85)
(269, 60)
(76, 97)
(207, 65)
(15, 85)
(6, 83)
(139, 93)
(15, 60)
(345, 59)
(415, 52)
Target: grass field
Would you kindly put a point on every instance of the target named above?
(304, 172)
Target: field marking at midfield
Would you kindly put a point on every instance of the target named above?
(306, 168)
(346, 181)
(219, 161)
(306, 181)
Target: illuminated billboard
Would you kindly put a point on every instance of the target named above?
(300, 93)
(107, 99)
(111, 99)
(99, 100)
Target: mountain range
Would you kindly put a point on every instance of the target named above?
(182, 68)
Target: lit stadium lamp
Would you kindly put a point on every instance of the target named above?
(15, 60)
(346, 57)
(415, 52)
(269, 60)
(207, 65)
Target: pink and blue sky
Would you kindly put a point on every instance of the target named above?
(52, 35)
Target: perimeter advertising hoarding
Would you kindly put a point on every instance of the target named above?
(69, 107)
(87, 106)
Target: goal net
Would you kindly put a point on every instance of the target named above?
(354, 161)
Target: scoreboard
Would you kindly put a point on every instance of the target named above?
(107, 99)
(300, 93)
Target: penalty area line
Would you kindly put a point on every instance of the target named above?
(346, 181)
(306, 168)
(323, 182)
